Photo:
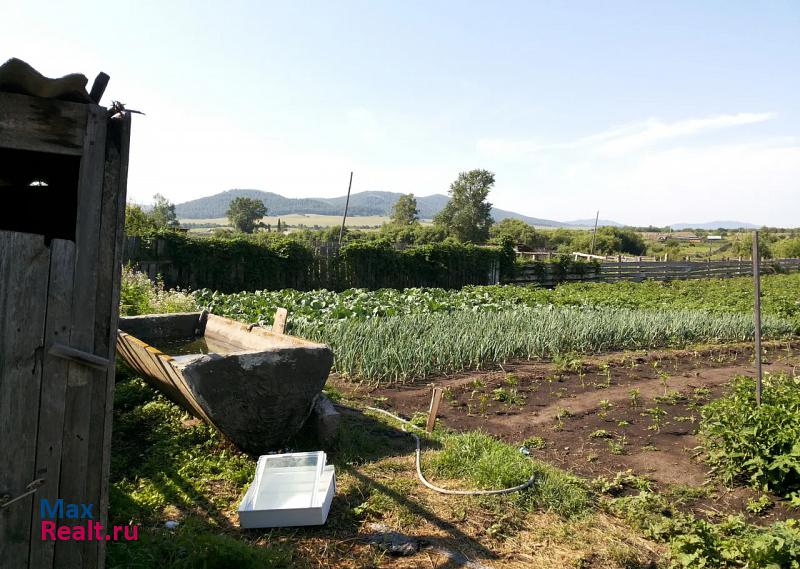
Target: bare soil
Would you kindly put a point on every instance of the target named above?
(601, 415)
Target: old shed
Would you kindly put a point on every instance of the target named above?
(63, 170)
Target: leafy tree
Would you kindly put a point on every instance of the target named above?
(405, 211)
(521, 234)
(743, 245)
(561, 239)
(610, 241)
(467, 215)
(138, 221)
(245, 213)
(788, 248)
(163, 213)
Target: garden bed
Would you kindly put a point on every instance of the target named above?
(598, 416)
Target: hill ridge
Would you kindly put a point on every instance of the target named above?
(380, 202)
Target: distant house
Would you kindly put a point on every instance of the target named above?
(680, 236)
(714, 238)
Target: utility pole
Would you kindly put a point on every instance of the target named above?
(757, 313)
(594, 233)
(346, 205)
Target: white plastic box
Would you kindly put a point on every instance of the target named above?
(294, 489)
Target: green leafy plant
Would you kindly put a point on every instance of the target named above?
(656, 415)
(760, 505)
(606, 369)
(617, 447)
(509, 396)
(600, 434)
(536, 443)
(756, 444)
(696, 543)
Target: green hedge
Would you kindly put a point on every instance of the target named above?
(249, 263)
(376, 264)
(227, 265)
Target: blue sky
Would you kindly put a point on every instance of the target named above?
(652, 112)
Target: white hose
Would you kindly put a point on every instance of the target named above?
(527, 484)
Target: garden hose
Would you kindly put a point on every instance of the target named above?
(527, 484)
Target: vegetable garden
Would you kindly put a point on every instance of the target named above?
(634, 389)
(400, 335)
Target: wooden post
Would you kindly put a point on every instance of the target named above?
(757, 313)
(279, 323)
(346, 205)
(594, 233)
(436, 398)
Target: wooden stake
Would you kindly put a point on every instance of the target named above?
(757, 313)
(279, 323)
(434, 409)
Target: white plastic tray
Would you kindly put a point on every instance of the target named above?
(294, 489)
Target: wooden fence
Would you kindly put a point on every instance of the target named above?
(546, 274)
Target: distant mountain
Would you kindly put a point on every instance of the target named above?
(710, 225)
(361, 203)
(380, 203)
(217, 205)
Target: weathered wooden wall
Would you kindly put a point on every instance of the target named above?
(55, 411)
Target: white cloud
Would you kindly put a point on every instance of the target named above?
(629, 139)
(620, 140)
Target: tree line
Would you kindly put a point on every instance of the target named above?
(465, 219)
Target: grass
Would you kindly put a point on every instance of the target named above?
(168, 466)
(487, 463)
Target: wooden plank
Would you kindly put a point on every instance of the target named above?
(279, 322)
(24, 270)
(78, 356)
(42, 125)
(83, 383)
(433, 411)
(51, 411)
(112, 230)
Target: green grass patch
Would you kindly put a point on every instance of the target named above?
(167, 466)
(487, 463)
